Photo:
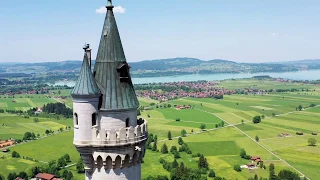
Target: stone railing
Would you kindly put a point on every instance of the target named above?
(124, 136)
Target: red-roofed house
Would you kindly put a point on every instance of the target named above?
(254, 158)
(45, 176)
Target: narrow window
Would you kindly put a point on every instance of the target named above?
(94, 119)
(127, 122)
(76, 119)
(123, 71)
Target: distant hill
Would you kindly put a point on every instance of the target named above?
(168, 67)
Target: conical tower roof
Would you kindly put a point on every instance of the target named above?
(111, 70)
(86, 84)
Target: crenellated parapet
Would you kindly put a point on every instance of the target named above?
(113, 137)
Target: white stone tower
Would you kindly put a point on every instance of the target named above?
(107, 134)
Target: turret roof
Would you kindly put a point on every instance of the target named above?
(86, 84)
(111, 65)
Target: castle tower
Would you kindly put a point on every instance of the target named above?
(107, 134)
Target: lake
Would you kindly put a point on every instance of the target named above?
(295, 75)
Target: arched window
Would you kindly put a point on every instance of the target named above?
(108, 163)
(76, 122)
(127, 122)
(126, 161)
(117, 162)
(99, 163)
(94, 119)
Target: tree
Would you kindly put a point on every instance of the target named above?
(176, 154)
(80, 166)
(257, 138)
(64, 173)
(286, 174)
(261, 164)
(256, 177)
(273, 114)
(12, 176)
(164, 149)
(34, 171)
(202, 163)
(47, 132)
(237, 168)
(23, 175)
(262, 116)
(67, 157)
(243, 153)
(15, 154)
(272, 175)
(173, 148)
(202, 126)
(169, 135)
(256, 119)
(36, 120)
(180, 141)
(154, 146)
(217, 125)
(69, 176)
(177, 119)
(61, 162)
(155, 139)
(312, 141)
(212, 173)
(222, 123)
(183, 133)
(175, 164)
(300, 107)
(1, 177)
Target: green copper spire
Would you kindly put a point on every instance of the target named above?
(86, 84)
(111, 69)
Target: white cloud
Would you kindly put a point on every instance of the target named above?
(116, 10)
(275, 34)
(119, 9)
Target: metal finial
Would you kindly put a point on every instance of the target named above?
(86, 46)
(109, 5)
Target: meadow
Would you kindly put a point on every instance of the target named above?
(24, 102)
(221, 146)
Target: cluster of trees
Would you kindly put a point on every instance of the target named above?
(181, 172)
(152, 142)
(13, 176)
(29, 136)
(283, 174)
(163, 106)
(53, 167)
(244, 155)
(12, 111)
(157, 177)
(58, 108)
(220, 124)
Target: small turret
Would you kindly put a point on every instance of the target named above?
(85, 96)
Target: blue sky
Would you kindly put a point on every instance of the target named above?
(238, 30)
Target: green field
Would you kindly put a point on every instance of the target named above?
(24, 102)
(220, 146)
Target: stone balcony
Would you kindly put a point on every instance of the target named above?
(113, 137)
